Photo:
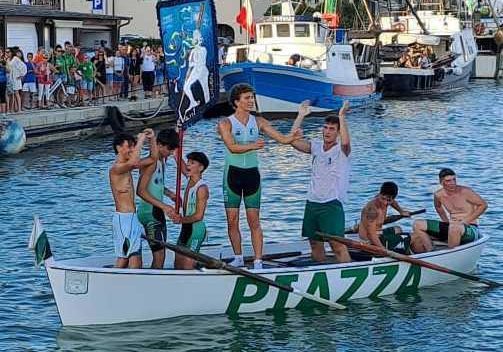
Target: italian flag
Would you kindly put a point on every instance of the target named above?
(39, 242)
(245, 18)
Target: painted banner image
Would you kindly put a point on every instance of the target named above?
(188, 32)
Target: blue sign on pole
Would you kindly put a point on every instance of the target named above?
(98, 5)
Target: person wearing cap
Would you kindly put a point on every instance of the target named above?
(240, 133)
(459, 208)
(372, 219)
(195, 200)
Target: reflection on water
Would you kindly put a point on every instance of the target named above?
(66, 183)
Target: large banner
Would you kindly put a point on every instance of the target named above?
(188, 33)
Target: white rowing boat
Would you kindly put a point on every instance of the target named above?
(90, 291)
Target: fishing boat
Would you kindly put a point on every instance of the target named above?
(91, 291)
(449, 44)
(300, 57)
(488, 30)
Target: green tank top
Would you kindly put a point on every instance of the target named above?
(155, 188)
(243, 135)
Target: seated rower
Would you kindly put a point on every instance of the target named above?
(459, 207)
(373, 216)
(195, 200)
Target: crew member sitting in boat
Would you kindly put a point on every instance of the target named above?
(329, 184)
(127, 230)
(240, 133)
(151, 189)
(373, 216)
(459, 208)
(293, 60)
(195, 200)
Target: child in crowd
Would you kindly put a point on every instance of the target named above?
(29, 82)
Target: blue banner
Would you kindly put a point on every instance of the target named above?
(188, 33)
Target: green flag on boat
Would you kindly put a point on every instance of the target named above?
(39, 242)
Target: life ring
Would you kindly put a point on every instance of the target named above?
(479, 28)
(400, 26)
(332, 19)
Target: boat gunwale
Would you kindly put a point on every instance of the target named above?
(55, 265)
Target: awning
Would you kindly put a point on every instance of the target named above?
(67, 24)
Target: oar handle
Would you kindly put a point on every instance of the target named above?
(389, 219)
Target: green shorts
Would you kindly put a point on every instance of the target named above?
(440, 230)
(192, 236)
(323, 217)
(154, 223)
(393, 240)
(241, 184)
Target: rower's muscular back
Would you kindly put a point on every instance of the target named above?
(372, 220)
(457, 203)
(122, 189)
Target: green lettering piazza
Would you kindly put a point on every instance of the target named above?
(319, 286)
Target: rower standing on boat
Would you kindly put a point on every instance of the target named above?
(373, 216)
(240, 133)
(151, 189)
(127, 230)
(459, 208)
(195, 201)
(329, 184)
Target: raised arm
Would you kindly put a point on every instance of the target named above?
(302, 145)
(440, 208)
(134, 160)
(344, 131)
(479, 205)
(154, 149)
(224, 128)
(279, 137)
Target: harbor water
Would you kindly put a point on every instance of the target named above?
(406, 141)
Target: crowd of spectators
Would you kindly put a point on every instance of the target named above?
(69, 75)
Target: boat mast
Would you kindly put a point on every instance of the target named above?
(414, 13)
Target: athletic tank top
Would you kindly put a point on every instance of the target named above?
(190, 207)
(243, 135)
(155, 188)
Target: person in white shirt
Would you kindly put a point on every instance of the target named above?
(148, 71)
(329, 184)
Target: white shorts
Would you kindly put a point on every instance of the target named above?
(30, 87)
(127, 232)
(17, 84)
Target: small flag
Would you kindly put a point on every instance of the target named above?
(245, 18)
(39, 243)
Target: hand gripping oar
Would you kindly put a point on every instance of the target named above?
(389, 219)
(213, 263)
(370, 248)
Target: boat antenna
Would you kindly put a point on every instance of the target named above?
(414, 13)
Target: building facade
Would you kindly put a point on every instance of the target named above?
(144, 18)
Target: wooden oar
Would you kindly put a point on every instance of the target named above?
(404, 258)
(214, 263)
(389, 219)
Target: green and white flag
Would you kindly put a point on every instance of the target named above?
(39, 242)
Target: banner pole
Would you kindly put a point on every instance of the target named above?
(179, 171)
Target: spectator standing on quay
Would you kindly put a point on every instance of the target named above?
(135, 69)
(88, 72)
(109, 55)
(29, 82)
(159, 71)
(43, 71)
(4, 73)
(118, 73)
(148, 71)
(125, 72)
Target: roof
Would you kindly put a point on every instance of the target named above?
(41, 11)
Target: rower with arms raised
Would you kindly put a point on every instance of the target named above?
(127, 230)
(329, 184)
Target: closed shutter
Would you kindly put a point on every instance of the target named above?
(64, 35)
(22, 35)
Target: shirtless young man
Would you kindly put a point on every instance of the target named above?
(329, 183)
(127, 230)
(459, 207)
(241, 135)
(374, 214)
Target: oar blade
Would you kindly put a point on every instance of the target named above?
(320, 300)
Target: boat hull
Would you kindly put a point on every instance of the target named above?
(102, 295)
(412, 82)
(280, 89)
